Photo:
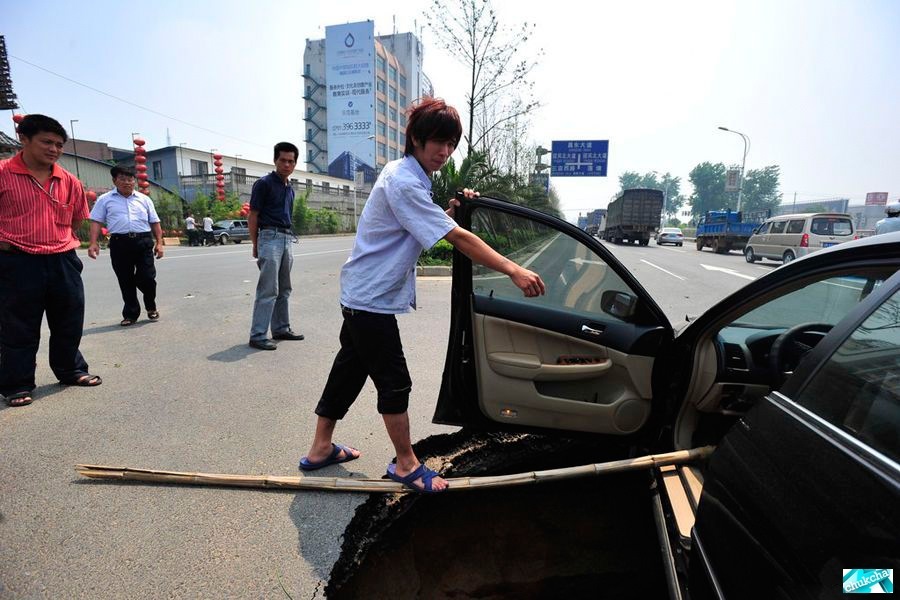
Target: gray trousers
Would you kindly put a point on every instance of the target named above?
(273, 290)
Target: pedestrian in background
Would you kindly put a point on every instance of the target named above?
(135, 237)
(208, 238)
(378, 281)
(272, 235)
(41, 207)
(190, 226)
(891, 222)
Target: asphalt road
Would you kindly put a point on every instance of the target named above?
(187, 393)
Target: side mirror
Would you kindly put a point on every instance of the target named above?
(618, 304)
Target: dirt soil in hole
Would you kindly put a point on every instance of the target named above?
(584, 538)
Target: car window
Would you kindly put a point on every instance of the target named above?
(575, 276)
(858, 389)
(796, 226)
(764, 228)
(778, 226)
(831, 226)
(822, 301)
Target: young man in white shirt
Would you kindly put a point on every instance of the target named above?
(378, 282)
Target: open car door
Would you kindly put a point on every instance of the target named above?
(579, 358)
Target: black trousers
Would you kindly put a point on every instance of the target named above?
(30, 286)
(132, 261)
(370, 347)
(193, 237)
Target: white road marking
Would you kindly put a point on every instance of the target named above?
(663, 270)
(581, 261)
(849, 287)
(247, 252)
(728, 271)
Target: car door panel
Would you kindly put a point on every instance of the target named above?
(564, 361)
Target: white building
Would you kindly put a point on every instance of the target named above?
(357, 88)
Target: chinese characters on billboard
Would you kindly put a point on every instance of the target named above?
(350, 81)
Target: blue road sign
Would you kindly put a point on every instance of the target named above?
(579, 158)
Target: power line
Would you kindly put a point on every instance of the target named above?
(130, 103)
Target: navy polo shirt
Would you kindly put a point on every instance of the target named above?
(274, 200)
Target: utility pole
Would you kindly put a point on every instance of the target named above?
(74, 146)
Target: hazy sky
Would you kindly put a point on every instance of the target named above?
(814, 84)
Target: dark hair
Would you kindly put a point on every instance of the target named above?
(286, 147)
(117, 170)
(32, 125)
(432, 119)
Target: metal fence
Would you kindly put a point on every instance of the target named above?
(343, 201)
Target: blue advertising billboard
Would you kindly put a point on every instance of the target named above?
(579, 158)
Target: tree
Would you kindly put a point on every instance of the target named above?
(200, 205)
(473, 173)
(708, 180)
(760, 190)
(498, 80)
(301, 217)
(227, 209)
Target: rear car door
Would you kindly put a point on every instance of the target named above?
(580, 358)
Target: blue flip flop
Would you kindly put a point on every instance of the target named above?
(422, 471)
(333, 458)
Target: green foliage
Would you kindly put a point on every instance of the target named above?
(708, 180)
(200, 206)
(673, 222)
(230, 208)
(170, 210)
(439, 254)
(760, 190)
(325, 220)
(301, 216)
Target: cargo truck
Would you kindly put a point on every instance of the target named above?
(723, 230)
(633, 216)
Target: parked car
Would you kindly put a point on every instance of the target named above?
(233, 230)
(670, 235)
(787, 237)
(794, 379)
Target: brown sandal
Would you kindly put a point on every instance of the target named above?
(126, 322)
(84, 380)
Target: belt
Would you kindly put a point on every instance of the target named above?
(279, 229)
(133, 234)
(10, 249)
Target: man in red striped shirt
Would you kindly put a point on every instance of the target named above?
(41, 205)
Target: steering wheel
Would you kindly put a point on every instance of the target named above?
(791, 346)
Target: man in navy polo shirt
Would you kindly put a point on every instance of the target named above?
(271, 206)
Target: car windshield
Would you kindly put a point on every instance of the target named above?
(831, 226)
(671, 230)
(824, 301)
(223, 224)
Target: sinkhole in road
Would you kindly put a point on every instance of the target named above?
(582, 538)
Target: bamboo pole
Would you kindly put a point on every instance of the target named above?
(348, 484)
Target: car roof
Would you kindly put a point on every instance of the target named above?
(807, 215)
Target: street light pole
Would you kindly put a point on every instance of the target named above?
(181, 164)
(743, 163)
(74, 146)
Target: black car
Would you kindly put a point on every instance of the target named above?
(794, 380)
(231, 230)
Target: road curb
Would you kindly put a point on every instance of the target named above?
(434, 271)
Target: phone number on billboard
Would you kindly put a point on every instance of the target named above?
(356, 125)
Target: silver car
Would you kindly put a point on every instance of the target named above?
(231, 230)
(670, 235)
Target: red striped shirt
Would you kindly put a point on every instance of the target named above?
(40, 219)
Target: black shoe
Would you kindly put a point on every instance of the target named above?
(287, 335)
(263, 345)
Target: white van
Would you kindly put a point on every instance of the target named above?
(787, 237)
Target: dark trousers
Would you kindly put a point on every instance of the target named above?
(31, 285)
(132, 261)
(193, 237)
(370, 347)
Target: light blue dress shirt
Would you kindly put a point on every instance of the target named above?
(398, 223)
(124, 215)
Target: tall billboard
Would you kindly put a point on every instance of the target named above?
(350, 103)
(876, 198)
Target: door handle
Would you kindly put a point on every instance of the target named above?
(591, 331)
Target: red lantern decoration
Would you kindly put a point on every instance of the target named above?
(140, 158)
(217, 156)
(140, 150)
(139, 142)
(220, 170)
(142, 176)
(91, 195)
(140, 168)
(17, 118)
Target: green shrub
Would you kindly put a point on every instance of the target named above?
(439, 254)
(325, 220)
